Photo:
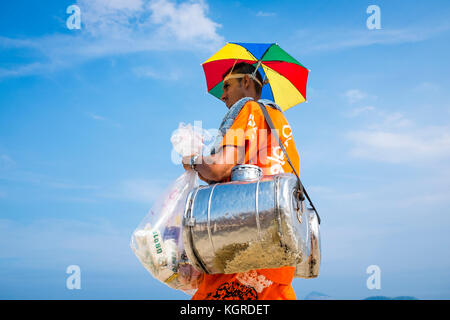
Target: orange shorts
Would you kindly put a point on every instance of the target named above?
(262, 284)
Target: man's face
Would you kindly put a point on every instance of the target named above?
(233, 91)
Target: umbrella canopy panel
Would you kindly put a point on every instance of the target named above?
(286, 76)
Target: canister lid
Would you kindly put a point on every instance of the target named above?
(246, 172)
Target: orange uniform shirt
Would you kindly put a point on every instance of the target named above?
(250, 130)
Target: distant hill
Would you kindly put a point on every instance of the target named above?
(314, 295)
(390, 298)
(317, 296)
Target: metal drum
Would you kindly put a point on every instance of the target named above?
(239, 226)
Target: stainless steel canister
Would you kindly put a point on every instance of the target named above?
(246, 225)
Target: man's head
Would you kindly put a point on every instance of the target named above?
(239, 82)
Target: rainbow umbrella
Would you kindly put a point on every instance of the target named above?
(286, 77)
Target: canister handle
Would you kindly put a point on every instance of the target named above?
(299, 206)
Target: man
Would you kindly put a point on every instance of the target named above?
(247, 139)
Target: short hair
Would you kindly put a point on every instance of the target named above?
(245, 68)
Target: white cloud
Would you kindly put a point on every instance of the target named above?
(108, 18)
(427, 88)
(186, 20)
(6, 161)
(132, 190)
(414, 145)
(136, 190)
(150, 72)
(354, 95)
(103, 119)
(120, 27)
(426, 198)
(13, 174)
(394, 138)
(142, 190)
(340, 39)
(119, 4)
(34, 242)
(357, 111)
(335, 194)
(96, 117)
(22, 70)
(16, 43)
(70, 186)
(265, 14)
(396, 120)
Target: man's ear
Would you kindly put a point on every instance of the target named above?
(247, 81)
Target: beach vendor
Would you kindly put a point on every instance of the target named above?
(246, 139)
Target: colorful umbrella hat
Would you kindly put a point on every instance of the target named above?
(286, 76)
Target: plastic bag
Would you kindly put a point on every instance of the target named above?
(191, 139)
(157, 241)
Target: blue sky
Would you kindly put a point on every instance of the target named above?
(86, 118)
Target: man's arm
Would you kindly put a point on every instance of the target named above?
(217, 167)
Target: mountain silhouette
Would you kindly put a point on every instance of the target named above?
(314, 295)
(390, 298)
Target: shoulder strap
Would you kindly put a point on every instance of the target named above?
(275, 133)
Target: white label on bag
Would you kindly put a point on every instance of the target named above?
(156, 248)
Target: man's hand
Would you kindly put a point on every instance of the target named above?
(216, 167)
(187, 166)
(187, 162)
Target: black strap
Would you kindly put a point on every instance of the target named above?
(275, 133)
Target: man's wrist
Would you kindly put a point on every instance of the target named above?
(194, 161)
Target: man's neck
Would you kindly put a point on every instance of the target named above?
(249, 96)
